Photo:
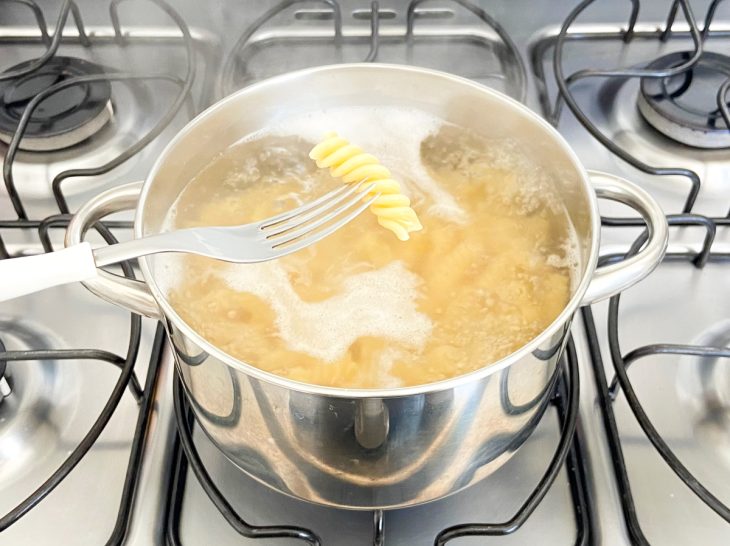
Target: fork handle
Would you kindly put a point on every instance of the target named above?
(21, 276)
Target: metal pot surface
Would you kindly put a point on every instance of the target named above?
(367, 449)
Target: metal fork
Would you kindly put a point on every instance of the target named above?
(249, 243)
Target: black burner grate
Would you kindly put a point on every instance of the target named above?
(144, 396)
(651, 73)
(621, 362)
(569, 453)
(558, 42)
(185, 85)
(501, 56)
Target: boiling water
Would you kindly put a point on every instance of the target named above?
(491, 269)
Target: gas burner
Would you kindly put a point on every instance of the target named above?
(684, 107)
(36, 419)
(65, 118)
(704, 384)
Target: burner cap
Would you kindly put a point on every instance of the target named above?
(684, 107)
(63, 119)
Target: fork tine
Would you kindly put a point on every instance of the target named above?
(278, 248)
(302, 228)
(339, 194)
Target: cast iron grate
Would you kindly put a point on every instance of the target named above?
(565, 401)
(621, 362)
(143, 395)
(569, 453)
(552, 110)
(331, 41)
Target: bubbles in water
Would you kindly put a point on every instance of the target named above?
(491, 269)
(380, 303)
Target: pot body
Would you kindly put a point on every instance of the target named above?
(368, 452)
(371, 449)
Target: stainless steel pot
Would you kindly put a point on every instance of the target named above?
(366, 449)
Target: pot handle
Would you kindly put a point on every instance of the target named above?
(611, 279)
(130, 294)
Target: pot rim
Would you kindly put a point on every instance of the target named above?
(396, 392)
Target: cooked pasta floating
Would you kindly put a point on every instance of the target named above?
(360, 309)
(351, 164)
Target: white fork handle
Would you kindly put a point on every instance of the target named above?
(20, 276)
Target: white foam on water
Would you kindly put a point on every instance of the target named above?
(379, 303)
(380, 131)
(385, 379)
(571, 258)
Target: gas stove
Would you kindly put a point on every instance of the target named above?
(97, 442)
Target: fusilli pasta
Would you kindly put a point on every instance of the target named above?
(351, 164)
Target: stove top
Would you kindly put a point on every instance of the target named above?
(97, 443)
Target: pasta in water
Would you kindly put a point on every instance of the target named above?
(351, 164)
(490, 270)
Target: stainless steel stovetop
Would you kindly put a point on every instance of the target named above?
(138, 485)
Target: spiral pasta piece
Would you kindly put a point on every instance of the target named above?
(351, 164)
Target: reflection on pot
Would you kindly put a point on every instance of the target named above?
(361, 452)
